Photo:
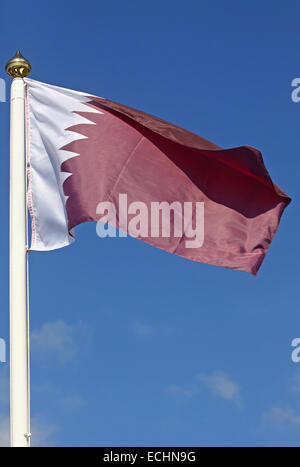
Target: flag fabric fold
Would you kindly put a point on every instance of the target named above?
(83, 150)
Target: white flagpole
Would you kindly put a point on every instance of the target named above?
(17, 68)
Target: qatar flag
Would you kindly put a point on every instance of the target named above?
(91, 159)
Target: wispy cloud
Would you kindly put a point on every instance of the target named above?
(221, 385)
(295, 386)
(142, 329)
(41, 430)
(218, 383)
(73, 402)
(282, 416)
(187, 392)
(59, 338)
(56, 392)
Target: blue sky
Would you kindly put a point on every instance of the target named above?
(132, 346)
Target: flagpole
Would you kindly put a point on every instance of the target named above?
(17, 68)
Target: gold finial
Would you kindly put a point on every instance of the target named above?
(18, 66)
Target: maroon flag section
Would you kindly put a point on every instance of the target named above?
(90, 159)
(232, 207)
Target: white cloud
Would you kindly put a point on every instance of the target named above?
(142, 329)
(282, 416)
(222, 386)
(60, 339)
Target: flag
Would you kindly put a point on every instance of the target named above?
(91, 159)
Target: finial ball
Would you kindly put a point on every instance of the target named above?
(18, 66)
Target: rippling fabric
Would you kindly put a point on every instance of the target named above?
(117, 150)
